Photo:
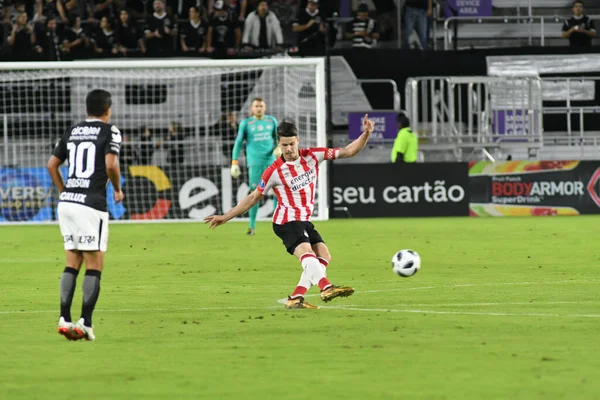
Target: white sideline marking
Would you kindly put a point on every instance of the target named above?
(349, 308)
(516, 303)
(494, 314)
(282, 301)
(224, 308)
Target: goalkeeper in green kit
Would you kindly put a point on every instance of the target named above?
(260, 134)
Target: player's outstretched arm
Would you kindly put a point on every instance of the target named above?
(237, 148)
(244, 205)
(356, 146)
(54, 164)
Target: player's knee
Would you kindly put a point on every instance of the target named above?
(302, 249)
(94, 260)
(74, 259)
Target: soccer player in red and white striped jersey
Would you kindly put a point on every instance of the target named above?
(293, 179)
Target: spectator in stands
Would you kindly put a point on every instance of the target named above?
(363, 30)
(86, 10)
(105, 8)
(227, 130)
(236, 7)
(22, 38)
(224, 31)
(50, 9)
(415, 18)
(175, 147)
(147, 146)
(193, 33)
(75, 42)
(139, 9)
(311, 30)
(579, 29)
(12, 11)
(49, 42)
(386, 17)
(406, 145)
(128, 155)
(104, 41)
(130, 41)
(262, 29)
(159, 32)
(73, 7)
(240, 8)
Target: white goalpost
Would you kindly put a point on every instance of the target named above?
(179, 121)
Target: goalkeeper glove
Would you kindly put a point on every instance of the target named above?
(235, 169)
(277, 152)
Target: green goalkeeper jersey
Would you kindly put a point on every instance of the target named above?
(261, 138)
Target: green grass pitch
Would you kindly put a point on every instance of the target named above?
(505, 308)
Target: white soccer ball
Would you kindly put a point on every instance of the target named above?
(406, 263)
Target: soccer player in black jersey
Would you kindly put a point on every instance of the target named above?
(92, 150)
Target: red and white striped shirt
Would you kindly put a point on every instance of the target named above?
(295, 183)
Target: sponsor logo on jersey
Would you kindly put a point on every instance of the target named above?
(77, 183)
(261, 184)
(75, 197)
(85, 131)
(116, 134)
(303, 180)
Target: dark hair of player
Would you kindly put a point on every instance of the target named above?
(403, 120)
(287, 129)
(97, 102)
(260, 99)
(578, 2)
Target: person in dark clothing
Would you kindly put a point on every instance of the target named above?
(128, 155)
(104, 42)
(173, 144)
(227, 130)
(49, 42)
(159, 32)
(129, 35)
(147, 147)
(22, 38)
(75, 42)
(415, 18)
(224, 32)
(311, 29)
(579, 29)
(193, 33)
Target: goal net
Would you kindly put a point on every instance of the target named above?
(179, 120)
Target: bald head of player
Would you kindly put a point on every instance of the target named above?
(98, 104)
(287, 138)
(258, 108)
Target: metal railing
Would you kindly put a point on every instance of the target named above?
(529, 20)
(396, 93)
(570, 90)
(483, 109)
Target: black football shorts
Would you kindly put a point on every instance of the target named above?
(296, 232)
